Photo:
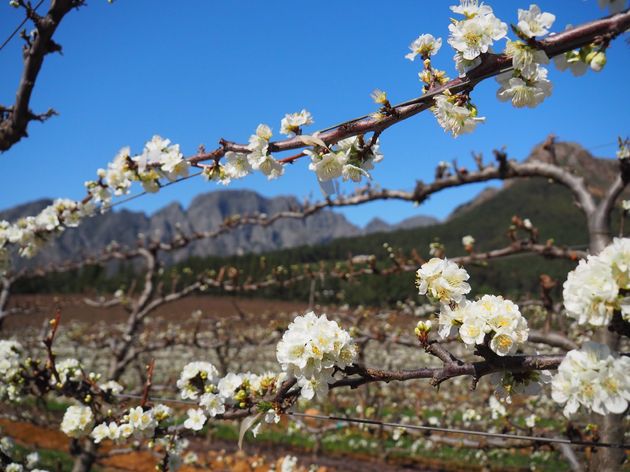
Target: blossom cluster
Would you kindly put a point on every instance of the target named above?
(527, 85)
(196, 378)
(30, 233)
(311, 348)
(10, 368)
(350, 159)
(259, 158)
(491, 316)
(68, 370)
(456, 114)
(491, 319)
(594, 290)
(593, 378)
(138, 422)
(201, 381)
(159, 159)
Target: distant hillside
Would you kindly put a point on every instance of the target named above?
(207, 211)
(548, 205)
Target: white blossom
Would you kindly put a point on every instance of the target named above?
(524, 91)
(617, 256)
(32, 459)
(454, 118)
(228, 384)
(468, 241)
(530, 421)
(464, 65)
(491, 316)
(140, 419)
(68, 370)
(425, 45)
(161, 412)
(77, 421)
(471, 8)
(497, 408)
(442, 280)
(266, 164)
(10, 353)
(236, 165)
(105, 431)
(475, 34)
(327, 166)
(525, 57)
(534, 22)
(590, 292)
(289, 464)
(112, 387)
(292, 122)
(196, 419)
(214, 404)
(195, 378)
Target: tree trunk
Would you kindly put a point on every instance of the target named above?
(611, 427)
(85, 458)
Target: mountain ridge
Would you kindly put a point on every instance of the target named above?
(205, 212)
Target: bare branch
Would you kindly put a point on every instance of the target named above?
(15, 119)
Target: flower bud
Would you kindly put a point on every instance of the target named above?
(598, 61)
(379, 97)
(423, 327)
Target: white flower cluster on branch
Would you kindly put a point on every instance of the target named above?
(138, 422)
(490, 320)
(593, 378)
(350, 159)
(527, 85)
(30, 233)
(10, 368)
(311, 349)
(159, 160)
(201, 381)
(594, 290)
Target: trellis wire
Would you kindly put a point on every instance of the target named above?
(15, 31)
(537, 439)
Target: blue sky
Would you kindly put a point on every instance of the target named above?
(195, 71)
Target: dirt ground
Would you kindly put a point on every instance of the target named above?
(41, 307)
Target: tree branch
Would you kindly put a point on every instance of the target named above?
(15, 119)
